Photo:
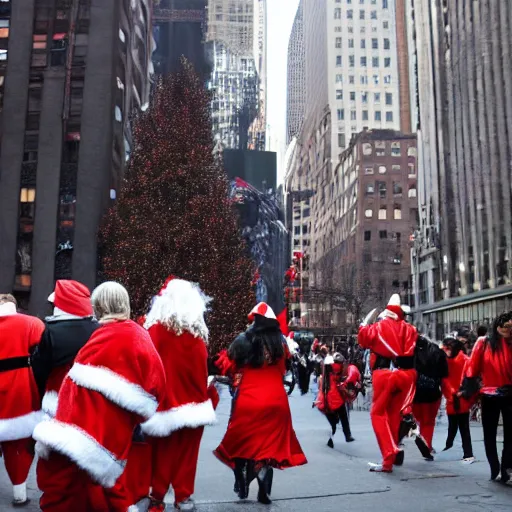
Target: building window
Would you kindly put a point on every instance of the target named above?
(364, 97)
(352, 79)
(364, 80)
(341, 114)
(368, 170)
(296, 230)
(363, 62)
(382, 169)
(375, 43)
(377, 115)
(338, 42)
(397, 189)
(376, 79)
(411, 151)
(376, 97)
(339, 94)
(361, 14)
(368, 213)
(397, 212)
(389, 98)
(350, 14)
(353, 115)
(375, 62)
(352, 96)
(338, 61)
(412, 191)
(385, 25)
(341, 140)
(367, 236)
(396, 168)
(389, 117)
(337, 13)
(412, 170)
(351, 61)
(387, 44)
(395, 149)
(351, 43)
(363, 44)
(387, 62)
(382, 189)
(387, 79)
(383, 213)
(384, 4)
(373, 15)
(367, 149)
(370, 189)
(339, 79)
(383, 234)
(365, 115)
(337, 29)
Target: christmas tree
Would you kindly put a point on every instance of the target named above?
(174, 215)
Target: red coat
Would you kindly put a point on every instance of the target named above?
(187, 403)
(116, 382)
(19, 397)
(333, 400)
(451, 384)
(352, 384)
(494, 368)
(389, 338)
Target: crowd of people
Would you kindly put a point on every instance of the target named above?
(116, 409)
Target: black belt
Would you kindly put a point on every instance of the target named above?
(14, 363)
(401, 362)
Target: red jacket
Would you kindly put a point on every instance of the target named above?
(19, 397)
(333, 400)
(451, 384)
(389, 338)
(493, 367)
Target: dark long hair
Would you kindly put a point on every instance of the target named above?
(493, 338)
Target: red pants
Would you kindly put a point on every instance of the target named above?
(175, 463)
(18, 457)
(136, 478)
(392, 392)
(67, 488)
(426, 415)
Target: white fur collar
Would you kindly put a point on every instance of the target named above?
(59, 315)
(8, 309)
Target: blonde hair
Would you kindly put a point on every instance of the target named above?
(111, 302)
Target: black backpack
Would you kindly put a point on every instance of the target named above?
(430, 360)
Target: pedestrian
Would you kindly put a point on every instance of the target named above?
(392, 342)
(260, 434)
(177, 327)
(491, 363)
(116, 381)
(20, 400)
(66, 332)
(464, 336)
(457, 408)
(330, 400)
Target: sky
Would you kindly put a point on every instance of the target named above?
(280, 16)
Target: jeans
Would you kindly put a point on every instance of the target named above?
(460, 422)
(492, 406)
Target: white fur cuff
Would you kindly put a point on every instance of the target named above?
(21, 427)
(50, 402)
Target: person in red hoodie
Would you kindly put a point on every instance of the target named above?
(491, 363)
(457, 408)
(176, 325)
(19, 397)
(115, 383)
(392, 342)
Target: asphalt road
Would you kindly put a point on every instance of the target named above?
(338, 479)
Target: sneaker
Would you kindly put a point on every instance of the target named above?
(433, 451)
(378, 468)
(187, 505)
(156, 506)
(468, 460)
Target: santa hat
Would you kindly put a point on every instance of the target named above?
(72, 298)
(395, 306)
(180, 306)
(264, 310)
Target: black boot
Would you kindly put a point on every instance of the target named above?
(265, 477)
(242, 482)
(330, 443)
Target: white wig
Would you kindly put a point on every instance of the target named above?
(180, 307)
(111, 301)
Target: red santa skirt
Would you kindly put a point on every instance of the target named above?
(260, 427)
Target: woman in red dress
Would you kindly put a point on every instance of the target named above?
(260, 434)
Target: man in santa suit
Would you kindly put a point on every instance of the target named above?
(19, 398)
(66, 332)
(392, 342)
(178, 330)
(115, 383)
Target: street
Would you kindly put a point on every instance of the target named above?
(338, 479)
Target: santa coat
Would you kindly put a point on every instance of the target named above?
(333, 399)
(19, 397)
(186, 403)
(116, 382)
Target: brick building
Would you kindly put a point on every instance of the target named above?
(364, 214)
(71, 73)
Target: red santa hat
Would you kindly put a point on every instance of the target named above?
(395, 306)
(72, 297)
(262, 309)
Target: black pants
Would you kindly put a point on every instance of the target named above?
(340, 415)
(492, 406)
(460, 422)
(304, 377)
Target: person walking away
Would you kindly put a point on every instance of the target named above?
(178, 330)
(330, 400)
(392, 342)
(457, 408)
(491, 362)
(66, 332)
(19, 398)
(260, 434)
(115, 383)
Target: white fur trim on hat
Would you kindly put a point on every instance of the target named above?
(115, 388)
(19, 493)
(81, 448)
(8, 309)
(51, 297)
(263, 309)
(50, 401)
(394, 300)
(191, 415)
(21, 427)
(329, 360)
(181, 306)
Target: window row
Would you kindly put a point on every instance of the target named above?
(367, 2)
(364, 79)
(383, 213)
(382, 190)
(338, 43)
(364, 115)
(363, 61)
(372, 15)
(384, 235)
(365, 95)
